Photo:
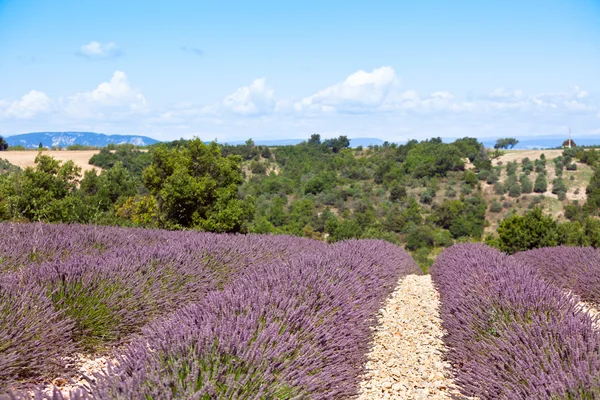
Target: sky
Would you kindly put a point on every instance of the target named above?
(232, 70)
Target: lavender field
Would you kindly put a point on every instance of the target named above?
(196, 315)
(189, 314)
(514, 327)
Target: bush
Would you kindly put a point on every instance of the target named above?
(427, 196)
(483, 175)
(541, 184)
(558, 185)
(244, 341)
(526, 186)
(499, 188)
(514, 190)
(495, 206)
(509, 333)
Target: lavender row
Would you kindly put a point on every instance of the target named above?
(299, 328)
(86, 302)
(510, 334)
(576, 269)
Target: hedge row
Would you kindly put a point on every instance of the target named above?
(297, 328)
(510, 334)
(81, 288)
(576, 269)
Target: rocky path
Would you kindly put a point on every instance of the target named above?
(406, 360)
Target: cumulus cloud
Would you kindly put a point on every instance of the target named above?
(97, 50)
(116, 96)
(361, 91)
(30, 105)
(253, 100)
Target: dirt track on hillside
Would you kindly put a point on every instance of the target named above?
(26, 158)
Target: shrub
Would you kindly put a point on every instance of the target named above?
(33, 335)
(427, 196)
(514, 190)
(495, 206)
(541, 184)
(509, 333)
(499, 188)
(297, 329)
(526, 186)
(572, 268)
(558, 185)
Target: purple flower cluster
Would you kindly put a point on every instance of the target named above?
(576, 269)
(297, 328)
(218, 316)
(74, 287)
(510, 334)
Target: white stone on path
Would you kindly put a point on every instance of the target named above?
(406, 359)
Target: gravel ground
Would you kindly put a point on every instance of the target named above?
(406, 360)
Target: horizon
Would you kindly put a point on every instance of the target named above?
(274, 71)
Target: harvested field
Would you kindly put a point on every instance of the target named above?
(26, 158)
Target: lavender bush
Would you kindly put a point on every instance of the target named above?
(512, 335)
(572, 268)
(298, 328)
(33, 335)
(89, 288)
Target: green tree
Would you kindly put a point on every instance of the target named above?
(196, 187)
(3, 144)
(530, 231)
(505, 143)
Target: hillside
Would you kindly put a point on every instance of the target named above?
(64, 139)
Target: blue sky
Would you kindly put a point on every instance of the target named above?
(285, 69)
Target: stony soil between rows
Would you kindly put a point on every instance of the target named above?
(407, 356)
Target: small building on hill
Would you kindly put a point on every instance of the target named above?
(569, 143)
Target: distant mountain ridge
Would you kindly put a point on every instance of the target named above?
(64, 139)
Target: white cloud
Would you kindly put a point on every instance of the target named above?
(97, 50)
(29, 106)
(361, 91)
(253, 100)
(116, 96)
(503, 94)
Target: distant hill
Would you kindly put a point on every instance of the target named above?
(64, 139)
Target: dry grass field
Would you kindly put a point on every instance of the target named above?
(26, 158)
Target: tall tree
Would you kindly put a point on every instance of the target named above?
(3, 144)
(196, 187)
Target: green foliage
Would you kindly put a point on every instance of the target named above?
(514, 190)
(558, 185)
(433, 158)
(593, 194)
(462, 218)
(397, 193)
(427, 196)
(541, 184)
(495, 206)
(132, 159)
(337, 144)
(530, 231)
(526, 185)
(197, 187)
(505, 143)
(420, 237)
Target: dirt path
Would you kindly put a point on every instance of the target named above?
(406, 360)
